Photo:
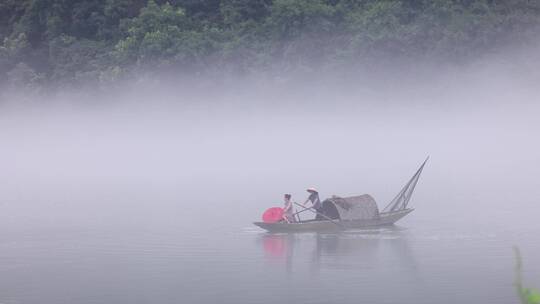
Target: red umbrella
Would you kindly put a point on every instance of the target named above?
(273, 215)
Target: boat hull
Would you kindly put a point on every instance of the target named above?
(386, 218)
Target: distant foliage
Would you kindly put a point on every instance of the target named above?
(163, 35)
(79, 41)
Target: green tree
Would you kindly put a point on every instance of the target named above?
(78, 40)
(163, 34)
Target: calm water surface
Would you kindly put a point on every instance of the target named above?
(155, 257)
(160, 211)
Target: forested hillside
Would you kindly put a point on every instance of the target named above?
(68, 42)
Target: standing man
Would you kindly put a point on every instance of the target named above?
(315, 202)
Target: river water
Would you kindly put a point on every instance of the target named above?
(119, 214)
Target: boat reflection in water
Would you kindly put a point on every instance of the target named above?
(361, 249)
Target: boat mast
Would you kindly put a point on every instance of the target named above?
(404, 196)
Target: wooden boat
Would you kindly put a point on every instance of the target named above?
(353, 212)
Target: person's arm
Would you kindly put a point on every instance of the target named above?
(307, 200)
(287, 207)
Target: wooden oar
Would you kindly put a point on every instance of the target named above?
(298, 212)
(315, 211)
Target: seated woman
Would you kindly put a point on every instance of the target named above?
(288, 210)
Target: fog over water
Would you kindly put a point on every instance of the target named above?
(147, 195)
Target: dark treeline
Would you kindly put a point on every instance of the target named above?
(68, 42)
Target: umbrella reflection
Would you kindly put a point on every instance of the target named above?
(278, 245)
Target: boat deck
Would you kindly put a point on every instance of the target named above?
(386, 218)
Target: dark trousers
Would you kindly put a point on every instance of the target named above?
(319, 217)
